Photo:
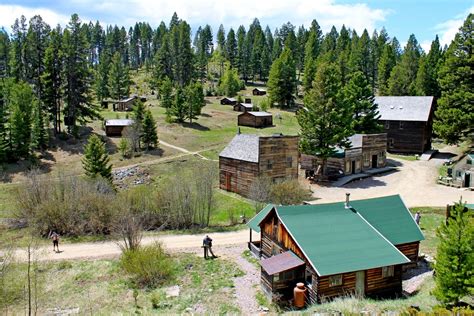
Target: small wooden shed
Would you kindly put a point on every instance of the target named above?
(462, 172)
(125, 104)
(255, 119)
(243, 107)
(115, 127)
(258, 91)
(228, 101)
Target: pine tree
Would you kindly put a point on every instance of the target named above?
(39, 133)
(242, 53)
(194, 96)
(427, 76)
(282, 80)
(178, 108)
(455, 257)
(325, 119)
(118, 78)
(101, 84)
(96, 161)
(359, 97)
(231, 48)
(454, 117)
(138, 111)
(166, 93)
(221, 39)
(5, 89)
(149, 135)
(230, 83)
(77, 77)
(21, 104)
(386, 63)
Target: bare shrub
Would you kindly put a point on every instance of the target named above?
(289, 192)
(260, 192)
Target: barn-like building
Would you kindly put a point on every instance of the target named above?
(255, 119)
(258, 91)
(248, 157)
(352, 247)
(116, 127)
(408, 122)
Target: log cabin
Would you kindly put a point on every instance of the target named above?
(257, 91)
(365, 151)
(228, 101)
(462, 172)
(248, 157)
(124, 104)
(255, 119)
(244, 107)
(408, 122)
(116, 127)
(353, 247)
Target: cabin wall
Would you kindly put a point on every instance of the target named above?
(413, 137)
(410, 250)
(237, 175)
(278, 157)
(114, 130)
(326, 292)
(376, 285)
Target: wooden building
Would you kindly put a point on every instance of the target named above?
(462, 172)
(248, 157)
(258, 91)
(255, 119)
(408, 122)
(353, 247)
(228, 101)
(124, 104)
(244, 107)
(365, 151)
(116, 127)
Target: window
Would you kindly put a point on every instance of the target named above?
(284, 276)
(381, 157)
(289, 162)
(348, 166)
(276, 277)
(469, 162)
(269, 165)
(308, 278)
(390, 143)
(335, 280)
(401, 125)
(366, 159)
(387, 272)
(387, 124)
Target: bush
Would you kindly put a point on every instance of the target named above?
(149, 266)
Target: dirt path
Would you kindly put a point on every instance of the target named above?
(183, 150)
(111, 249)
(415, 182)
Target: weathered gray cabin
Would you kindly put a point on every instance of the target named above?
(248, 157)
(462, 172)
(124, 104)
(258, 91)
(255, 119)
(228, 101)
(408, 122)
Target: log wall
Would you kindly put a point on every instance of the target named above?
(414, 137)
(282, 153)
(376, 285)
(242, 174)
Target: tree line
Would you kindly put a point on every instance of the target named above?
(64, 72)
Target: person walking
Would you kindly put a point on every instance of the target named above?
(209, 245)
(55, 237)
(205, 245)
(417, 218)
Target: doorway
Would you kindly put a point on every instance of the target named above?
(360, 283)
(467, 180)
(374, 161)
(228, 181)
(353, 166)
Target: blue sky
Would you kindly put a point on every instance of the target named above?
(401, 18)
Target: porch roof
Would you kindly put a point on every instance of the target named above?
(255, 221)
(282, 262)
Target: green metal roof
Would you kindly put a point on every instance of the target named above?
(470, 206)
(255, 221)
(338, 240)
(390, 217)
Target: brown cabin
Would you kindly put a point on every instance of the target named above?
(228, 101)
(124, 104)
(255, 119)
(408, 122)
(244, 107)
(258, 91)
(116, 127)
(365, 151)
(336, 249)
(248, 157)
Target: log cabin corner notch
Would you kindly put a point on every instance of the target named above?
(360, 249)
(248, 157)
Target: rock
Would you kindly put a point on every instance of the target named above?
(264, 309)
(172, 291)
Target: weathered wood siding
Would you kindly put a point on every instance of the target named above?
(410, 250)
(247, 119)
(326, 292)
(241, 173)
(377, 285)
(114, 130)
(278, 157)
(410, 137)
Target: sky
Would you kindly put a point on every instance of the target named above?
(424, 18)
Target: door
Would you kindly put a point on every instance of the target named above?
(353, 166)
(228, 181)
(360, 283)
(467, 180)
(374, 161)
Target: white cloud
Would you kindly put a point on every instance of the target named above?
(231, 13)
(8, 14)
(448, 29)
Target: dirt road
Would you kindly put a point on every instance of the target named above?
(110, 249)
(415, 182)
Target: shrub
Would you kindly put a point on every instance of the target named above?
(149, 266)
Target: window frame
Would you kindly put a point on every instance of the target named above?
(289, 162)
(269, 164)
(388, 271)
(400, 125)
(335, 280)
(387, 124)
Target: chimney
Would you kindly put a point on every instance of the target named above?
(346, 205)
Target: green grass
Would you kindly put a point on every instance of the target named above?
(102, 287)
(247, 255)
(431, 219)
